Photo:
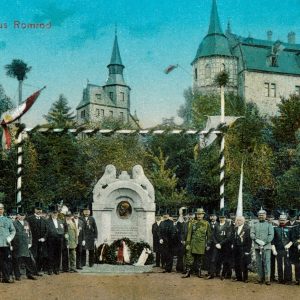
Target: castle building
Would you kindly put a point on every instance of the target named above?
(111, 100)
(260, 71)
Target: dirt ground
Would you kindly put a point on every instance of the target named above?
(156, 285)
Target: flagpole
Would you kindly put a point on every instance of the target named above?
(20, 167)
(222, 156)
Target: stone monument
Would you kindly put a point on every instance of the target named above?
(124, 206)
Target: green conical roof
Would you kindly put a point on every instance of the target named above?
(214, 26)
(115, 56)
(215, 42)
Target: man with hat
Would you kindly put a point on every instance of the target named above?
(81, 239)
(156, 245)
(262, 233)
(39, 230)
(7, 233)
(167, 233)
(21, 245)
(56, 232)
(292, 218)
(198, 237)
(281, 245)
(221, 238)
(72, 240)
(91, 236)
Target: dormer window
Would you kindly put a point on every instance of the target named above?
(273, 61)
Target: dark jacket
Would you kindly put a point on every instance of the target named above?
(168, 233)
(242, 240)
(81, 231)
(38, 227)
(90, 232)
(282, 236)
(53, 232)
(222, 235)
(155, 234)
(22, 239)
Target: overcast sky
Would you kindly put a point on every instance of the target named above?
(152, 35)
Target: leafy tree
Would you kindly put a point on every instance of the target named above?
(165, 182)
(18, 69)
(5, 101)
(286, 124)
(59, 114)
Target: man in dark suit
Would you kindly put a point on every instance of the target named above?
(21, 244)
(242, 244)
(167, 236)
(81, 239)
(91, 235)
(56, 232)
(221, 237)
(39, 230)
(156, 246)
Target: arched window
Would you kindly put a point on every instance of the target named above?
(207, 71)
(223, 67)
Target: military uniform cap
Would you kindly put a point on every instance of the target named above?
(262, 212)
(283, 216)
(200, 211)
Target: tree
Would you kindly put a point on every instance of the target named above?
(59, 114)
(5, 101)
(286, 124)
(18, 69)
(165, 182)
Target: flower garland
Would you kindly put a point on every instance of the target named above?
(135, 251)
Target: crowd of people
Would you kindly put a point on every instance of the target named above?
(45, 243)
(226, 247)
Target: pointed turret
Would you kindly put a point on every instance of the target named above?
(215, 42)
(214, 25)
(115, 66)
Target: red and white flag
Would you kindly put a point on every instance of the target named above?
(14, 114)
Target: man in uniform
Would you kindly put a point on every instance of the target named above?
(210, 247)
(262, 233)
(198, 237)
(91, 236)
(242, 244)
(39, 230)
(281, 249)
(295, 252)
(7, 233)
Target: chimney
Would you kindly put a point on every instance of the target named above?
(292, 37)
(269, 35)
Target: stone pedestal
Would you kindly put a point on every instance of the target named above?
(124, 206)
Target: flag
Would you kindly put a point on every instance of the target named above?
(212, 124)
(239, 210)
(170, 68)
(14, 114)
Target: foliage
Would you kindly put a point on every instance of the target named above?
(222, 78)
(165, 182)
(287, 122)
(59, 114)
(134, 248)
(5, 102)
(17, 69)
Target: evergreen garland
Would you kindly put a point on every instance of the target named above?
(134, 248)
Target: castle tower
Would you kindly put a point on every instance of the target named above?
(116, 88)
(213, 56)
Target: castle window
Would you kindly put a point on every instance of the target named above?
(267, 89)
(273, 90)
(111, 95)
(273, 61)
(102, 112)
(122, 96)
(98, 96)
(207, 71)
(196, 74)
(223, 67)
(297, 90)
(82, 114)
(111, 113)
(97, 112)
(122, 116)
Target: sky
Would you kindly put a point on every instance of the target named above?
(151, 34)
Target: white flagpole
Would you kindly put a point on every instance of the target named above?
(239, 210)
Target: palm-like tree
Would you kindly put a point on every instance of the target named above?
(18, 69)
